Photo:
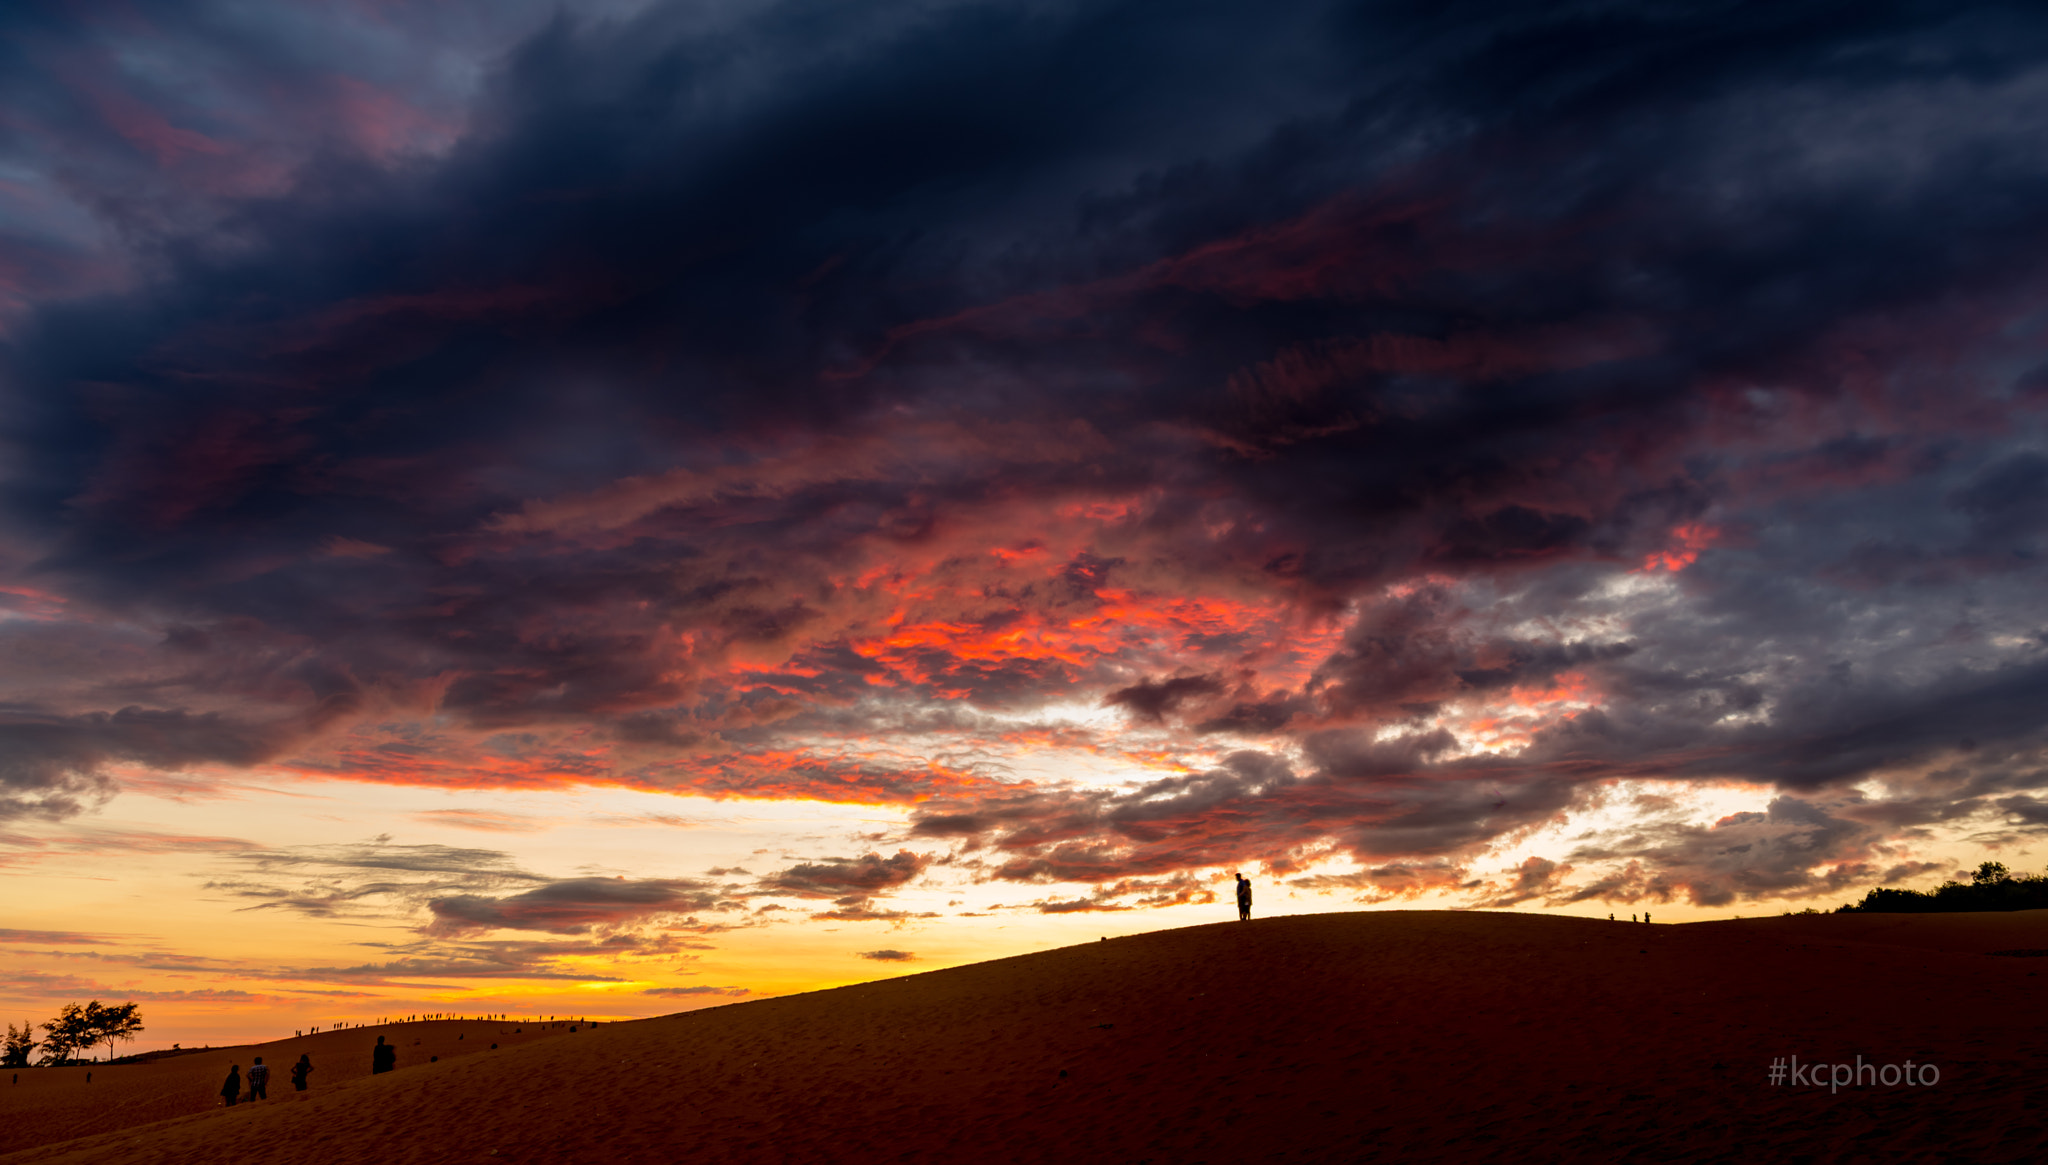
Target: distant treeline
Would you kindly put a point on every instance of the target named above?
(74, 1030)
(1992, 887)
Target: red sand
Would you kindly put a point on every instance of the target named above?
(1397, 1036)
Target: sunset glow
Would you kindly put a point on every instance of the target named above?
(621, 508)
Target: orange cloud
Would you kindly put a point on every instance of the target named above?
(1687, 542)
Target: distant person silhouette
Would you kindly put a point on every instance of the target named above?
(259, 1080)
(1646, 916)
(300, 1071)
(231, 1088)
(383, 1057)
(1244, 899)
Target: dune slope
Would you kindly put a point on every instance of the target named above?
(44, 1105)
(1397, 1036)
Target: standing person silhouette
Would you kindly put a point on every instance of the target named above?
(1244, 899)
(383, 1057)
(259, 1080)
(231, 1088)
(300, 1071)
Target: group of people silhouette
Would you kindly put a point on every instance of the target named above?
(383, 1058)
(259, 1080)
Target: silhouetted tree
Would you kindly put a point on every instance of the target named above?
(19, 1043)
(64, 1035)
(83, 1028)
(107, 1024)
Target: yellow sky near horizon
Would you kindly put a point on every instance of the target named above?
(166, 897)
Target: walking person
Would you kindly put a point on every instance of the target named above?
(231, 1088)
(383, 1057)
(1244, 899)
(300, 1071)
(259, 1080)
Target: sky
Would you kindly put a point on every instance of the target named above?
(627, 507)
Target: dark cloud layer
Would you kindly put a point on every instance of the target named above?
(1455, 411)
(366, 879)
(571, 906)
(54, 765)
(838, 878)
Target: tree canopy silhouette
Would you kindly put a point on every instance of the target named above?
(81, 1028)
(1992, 887)
(20, 1041)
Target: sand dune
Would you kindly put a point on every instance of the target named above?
(1396, 1036)
(47, 1105)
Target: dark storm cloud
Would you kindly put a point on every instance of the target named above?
(1255, 809)
(838, 877)
(436, 956)
(1647, 392)
(2029, 810)
(1534, 878)
(1388, 882)
(1153, 699)
(53, 765)
(1743, 856)
(570, 906)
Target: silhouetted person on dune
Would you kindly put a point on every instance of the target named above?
(259, 1080)
(300, 1071)
(231, 1088)
(1244, 899)
(383, 1057)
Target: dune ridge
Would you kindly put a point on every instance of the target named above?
(1385, 1035)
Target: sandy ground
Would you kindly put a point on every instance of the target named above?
(1417, 1036)
(39, 1106)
